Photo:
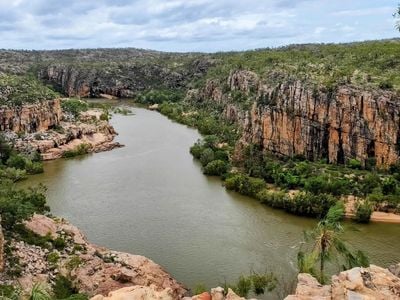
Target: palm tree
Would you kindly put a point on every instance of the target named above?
(326, 240)
(39, 292)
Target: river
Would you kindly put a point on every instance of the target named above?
(151, 198)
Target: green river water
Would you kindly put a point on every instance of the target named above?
(151, 198)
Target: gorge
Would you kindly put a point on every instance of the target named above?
(285, 125)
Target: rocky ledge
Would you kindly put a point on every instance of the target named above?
(88, 132)
(358, 283)
(94, 270)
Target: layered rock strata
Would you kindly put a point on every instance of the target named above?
(31, 118)
(291, 118)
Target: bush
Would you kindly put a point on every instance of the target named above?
(244, 184)
(206, 157)
(354, 164)
(16, 161)
(307, 204)
(385, 85)
(273, 198)
(19, 204)
(74, 106)
(79, 150)
(53, 258)
(363, 212)
(243, 286)
(216, 168)
(196, 150)
(389, 186)
(63, 288)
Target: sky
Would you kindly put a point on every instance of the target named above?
(191, 25)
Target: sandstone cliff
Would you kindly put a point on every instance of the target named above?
(291, 118)
(42, 127)
(30, 118)
(124, 80)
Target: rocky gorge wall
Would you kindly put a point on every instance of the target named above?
(292, 118)
(31, 118)
(124, 80)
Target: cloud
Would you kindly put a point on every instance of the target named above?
(188, 25)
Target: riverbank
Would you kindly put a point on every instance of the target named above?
(91, 269)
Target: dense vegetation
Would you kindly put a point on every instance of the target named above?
(18, 204)
(374, 64)
(269, 179)
(16, 90)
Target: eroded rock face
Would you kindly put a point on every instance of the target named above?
(99, 271)
(291, 118)
(122, 81)
(358, 283)
(96, 134)
(31, 117)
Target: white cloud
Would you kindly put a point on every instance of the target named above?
(179, 25)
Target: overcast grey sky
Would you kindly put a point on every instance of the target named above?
(191, 25)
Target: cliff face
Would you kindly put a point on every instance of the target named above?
(291, 118)
(32, 117)
(122, 80)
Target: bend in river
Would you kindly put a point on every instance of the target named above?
(151, 198)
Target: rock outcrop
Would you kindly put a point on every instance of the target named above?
(87, 131)
(94, 270)
(358, 283)
(291, 118)
(31, 118)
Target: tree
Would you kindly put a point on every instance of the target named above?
(326, 243)
(397, 16)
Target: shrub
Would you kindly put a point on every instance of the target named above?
(273, 198)
(19, 204)
(74, 106)
(307, 204)
(206, 157)
(389, 186)
(59, 243)
(16, 161)
(74, 262)
(261, 282)
(79, 150)
(63, 288)
(199, 289)
(53, 258)
(385, 85)
(104, 116)
(196, 150)
(244, 184)
(216, 168)
(363, 212)
(243, 286)
(354, 164)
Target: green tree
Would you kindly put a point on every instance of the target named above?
(326, 243)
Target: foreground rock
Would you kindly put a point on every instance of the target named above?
(94, 270)
(149, 293)
(358, 283)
